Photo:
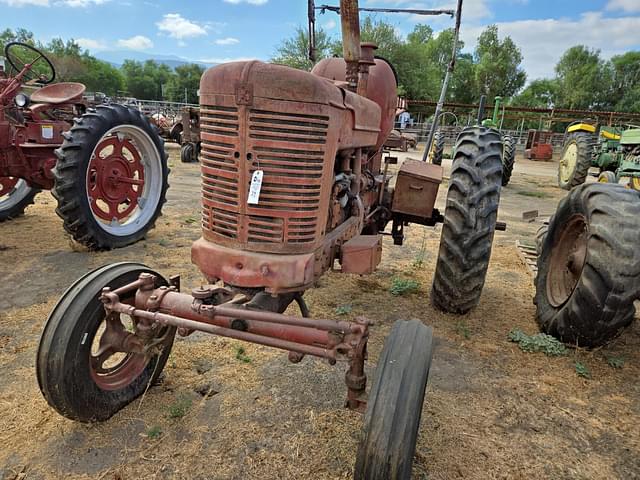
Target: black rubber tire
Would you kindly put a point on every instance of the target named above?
(607, 177)
(62, 363)
(508, 158)
(70, 175)
(187, 152)
(584, 142)
(438, 148)
(394, 407)
(469, 221)
(541, 234)
(601, 304)
(19, 207)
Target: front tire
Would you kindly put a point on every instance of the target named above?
(575, 160)
(15, 196)
(508, 158)
(437, 148)
(394, 407)
(589, 266)
(111, 177)
(66, 361)
(469, 221)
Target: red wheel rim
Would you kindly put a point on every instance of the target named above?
(7, 184)
(115, 179)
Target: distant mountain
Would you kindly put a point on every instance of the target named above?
(117, 58)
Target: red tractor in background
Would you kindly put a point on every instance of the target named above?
(293, 183)
(106, 167)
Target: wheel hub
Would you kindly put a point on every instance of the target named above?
(567, 260)
(7, 184)
(568, 161)
(115, 179)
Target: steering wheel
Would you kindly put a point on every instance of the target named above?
(20, 54)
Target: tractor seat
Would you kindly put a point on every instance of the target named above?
(58, 93)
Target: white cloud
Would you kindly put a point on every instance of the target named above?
(23, 3)
(91, 44)
(226, 60)
(176, 26)
(138, 42)
(330, 25)
(544, 41)
(81, 3)
(251, 2)
(624, 5)
(227, 41)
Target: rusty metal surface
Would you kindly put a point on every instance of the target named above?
(416, 188)
(350, 22)
(57, 93)
(361, 254)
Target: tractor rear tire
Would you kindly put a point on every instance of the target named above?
(589, 266)
(187, 153)
(79, 177)
(438, 148)
(394, 407)
(14, 201)
(469, 221)
(64, 368)
(575, 160)
(508, 158)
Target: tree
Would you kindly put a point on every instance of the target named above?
(584, 79)
(145, 80)
(186, 80)
(497, 70)
(540, 93)
(294, 51)
(626, 82)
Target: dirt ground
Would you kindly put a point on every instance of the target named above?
(491, 410)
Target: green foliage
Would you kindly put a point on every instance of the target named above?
(401, 286)
(582, 370)
(584, 79)
(241, 355)
(154, 432)
(180, 407)
(183, 85)
(615, 362)
(344, 309)
(540, 342)
(294, 51)
(463, 329)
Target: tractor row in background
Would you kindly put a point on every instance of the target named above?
(614, 151)
(106, 167)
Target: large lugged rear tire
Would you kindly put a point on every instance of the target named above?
(470, 220)
(508, 158)
(67, 374)
(111, 177)
(15, 196)
(589, 265)
(392, 419)
(437, 149)
(575, 160)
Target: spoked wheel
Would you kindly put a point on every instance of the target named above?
(110, 178)
(575, 160)
(90, 365)
(15, 196)
(589, 265)
(392, 418)
(469, 220)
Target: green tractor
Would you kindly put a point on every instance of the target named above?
(614, 151)
(508, 142)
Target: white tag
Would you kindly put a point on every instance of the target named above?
(47, 132)
(256, 185)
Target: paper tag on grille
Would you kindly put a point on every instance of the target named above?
(256, 185)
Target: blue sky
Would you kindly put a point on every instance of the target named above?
(223, 30)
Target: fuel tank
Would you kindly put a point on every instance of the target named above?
(382, 88)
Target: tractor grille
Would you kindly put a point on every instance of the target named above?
(289, 148)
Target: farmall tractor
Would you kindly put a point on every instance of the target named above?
(292, 184)
(107, 167)
(615, 152)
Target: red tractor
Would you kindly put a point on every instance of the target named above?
(107, 167)
(292, 184)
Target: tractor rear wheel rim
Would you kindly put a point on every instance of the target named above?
(568, 162)
(12, 191)
(568, 256)
(124, 180)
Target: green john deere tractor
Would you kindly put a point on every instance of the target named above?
(614, 151)
(508, 142)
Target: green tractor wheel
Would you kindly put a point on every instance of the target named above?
(575, 160)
